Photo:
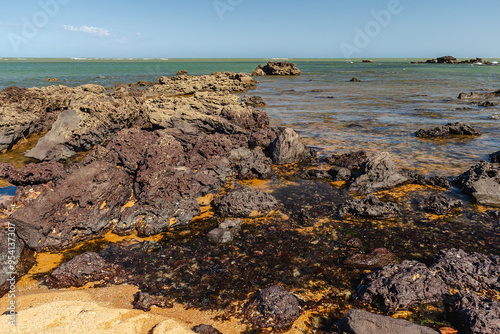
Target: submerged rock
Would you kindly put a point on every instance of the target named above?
(245, 203)
(82, 269)
(450, 129)
(369, 207)
(440, 204)
(81, 207)
(378, 172)
(377, 258)
(273, 307)
(277, 68)
(398, 286)
(226, 231)
(482, 182)
(363, 322)
(289, 148)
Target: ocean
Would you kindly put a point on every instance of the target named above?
(393, 100)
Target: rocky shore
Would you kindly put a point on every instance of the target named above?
(181, 169)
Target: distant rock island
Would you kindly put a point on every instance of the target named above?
(453, 60)
(276, 68)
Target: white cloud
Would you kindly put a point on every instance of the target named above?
(101, 32)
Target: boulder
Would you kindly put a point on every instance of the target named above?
(288, 148)
(37, 173)
(82, 269)
(273, 307)
(376, 259)
(377, 173)
(363, 322)
(226, 231)
(482, 182)
(398, 286)
(450, 129)
(476, 315)
(447, 60)
(351, 161)
(245, 203)
(205, 329)
(277, 68)
(81, 207)
(263, 138)
(251, 164)
(369, 207)
(437, 181)
(254, 101)
(440, 204)
(16, 259)
(495, 157)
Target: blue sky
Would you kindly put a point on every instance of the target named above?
(249, 28)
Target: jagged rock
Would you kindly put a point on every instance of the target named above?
(181, 72)
(464, 271)
(377, 258)
(144, 301)
(81, 207)
(82, 269)
(476, 315)
(251, 164)
(254, 101)
(352, 161)
(289, 148)
(277, 68)
(378, 172)
(273, 307)
(495, 157)
(15, 258)
(398, 286)
(32, 173)
(363, 322)
(440, 204)
(482, 182)
(369, 207)
(245, 203)
(450, 129)
(262, 137)
(471, 96)
(205, 329)
(6, 169)
(439, 181)
(340, 173)
(226, 231)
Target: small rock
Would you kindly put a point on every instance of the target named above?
(51, 79)
(495, 157)
(205, 329)
(355, 80)
(340, 173)
(181, 72)
(251, 164)
(441, 205)
(226, 231)
(352, 161)
(450, 129)
(82, 269)
(376, 259)
(482, 182)
(289, 148)
(363, 322)
(245, 203)
(273, 307)
(254, 101)
(144, 301)
(439, 181)
(369, 207)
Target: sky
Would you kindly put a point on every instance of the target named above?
(249, 28)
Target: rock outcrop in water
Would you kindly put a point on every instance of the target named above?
(450, 129)
(440, 204)
(482, 182)
(277, 68)
(288, 148)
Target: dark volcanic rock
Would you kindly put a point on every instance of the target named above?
(440, 204)
(476, 315)
(369, 207)
(32, 174)
(144, 301)
(251, 164)
(6, 169)
(226, 231)
(262, 137)
(450, 129)
(447, 60)
(15, 257)
(352, 161)
(245, 203)
(378, 172)
(273, 307)
(377, 258)
(363, 322)
(81, 207)
(481, 181)
(463, 271)
(438, 181)
(82, 269)
(398, 286)
(277, 68)
(495, 157)
(289, 148)
(355, 80)
(205, 329)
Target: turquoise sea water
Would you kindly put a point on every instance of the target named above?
(394, 99)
